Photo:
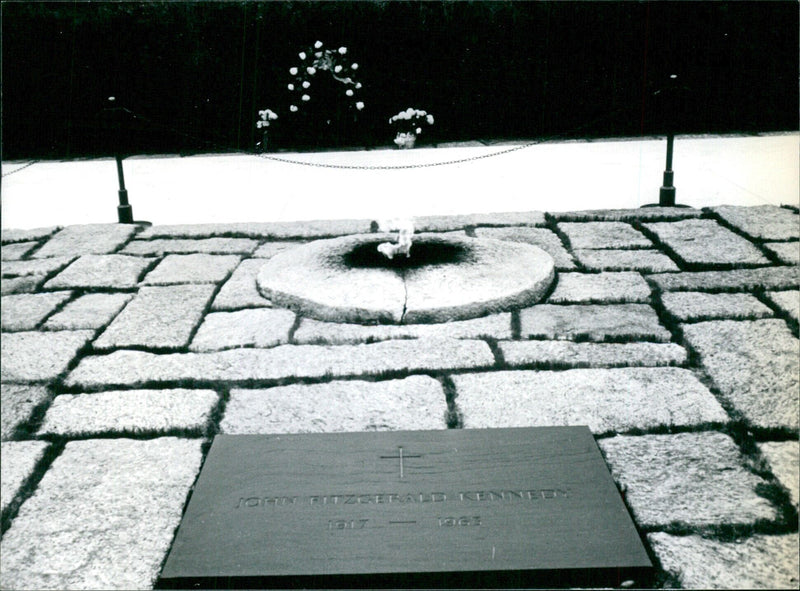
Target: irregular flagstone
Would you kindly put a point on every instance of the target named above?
(240, 290)
(765, 222)
(270, 249)
(706, 242)
(755, 364)
(39, 356)
(304, 229)
(266, 327)
(192, 268)
(604, 399)
(496, 326)
(788, 301)
(280, 363)
(17, 402)
(92, 310)
(87, 239)
(26, 311)
(592, 322)
(736, 280)
(694, 479)
(573, 288)
(159, 316)
(694, 305)
(416, 402)
(645, 260)
(34, 267)
(788, 252)
(19, 460)
(646, 213)
(567, 353)
(13, 252)
(12, 235)
(784, 460)
(758, 562)
(203, 245)
(103, 516)
(603, 235)
(114, 271)
(20, 284)
(459, 222)
(545, 239)
(129, 411)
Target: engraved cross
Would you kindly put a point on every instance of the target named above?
(401, 456)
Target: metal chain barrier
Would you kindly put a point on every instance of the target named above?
(31, 163)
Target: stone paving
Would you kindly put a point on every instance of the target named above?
(671, 333)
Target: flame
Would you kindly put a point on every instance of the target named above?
(405, 230)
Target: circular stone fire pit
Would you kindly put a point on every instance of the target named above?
(446, 278)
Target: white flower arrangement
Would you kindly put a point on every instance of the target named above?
(266, 115)
(409, 124)
(317, 59)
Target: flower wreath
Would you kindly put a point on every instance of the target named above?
(314, 60)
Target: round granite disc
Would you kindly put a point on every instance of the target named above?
(445, 278)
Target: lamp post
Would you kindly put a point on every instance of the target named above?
(115, 116)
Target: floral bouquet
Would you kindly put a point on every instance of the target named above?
(409, 124)
(314, 61)
(266, 116)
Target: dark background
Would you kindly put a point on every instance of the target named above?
(197, 73)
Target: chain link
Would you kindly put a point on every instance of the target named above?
(398, 166)
(31, 163)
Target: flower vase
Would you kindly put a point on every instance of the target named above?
(405, 141)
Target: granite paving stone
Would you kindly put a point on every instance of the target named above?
(23, 359)
(592, 322)
(755, 364)
(159, 316)
(621, 215)
(758, 562)
(496, 326)
(87, 239)
(270, 249)
(545, 239)
(19, 460)
(91, 310)
(13, 252)
(705, 242)
(17, 402)
(26, 311)
(129, 411)
(606, 287)
(569, 354)
(788, 301)
(788, 252)
(645, 260)
(604, 399)
(693, 479)
(416, 402)
(595, 235)
(240, 290)
(694, 305)
(459, 222)
(11, 235)
(192, 268)
(264, 327)
(14, 285)
(784, 460)
(304, 229)
(110, 271)
(736, 280)
(34, 267)
(765, 222)
(282, 362)
(60, 540)
(203, 245)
